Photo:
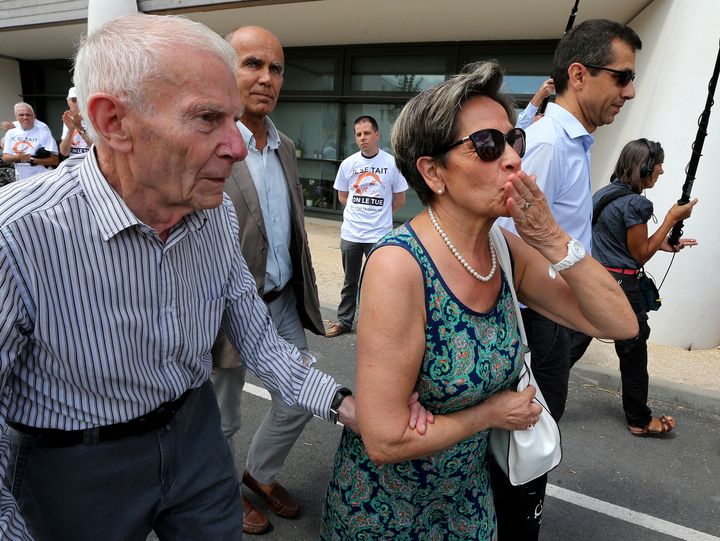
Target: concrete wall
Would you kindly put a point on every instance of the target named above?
(17, 13)
(10, 88)
(680, 45)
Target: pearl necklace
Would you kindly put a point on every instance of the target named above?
(459, 257)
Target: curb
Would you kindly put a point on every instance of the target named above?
(660, 390)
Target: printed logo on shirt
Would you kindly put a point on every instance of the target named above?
(22, 146)
(368, 188)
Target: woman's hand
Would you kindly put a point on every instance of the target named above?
(514, 410)
(533, 219)
(682, 243)
(419, 416)
(678, 213)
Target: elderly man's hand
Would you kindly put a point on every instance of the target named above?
(6, 125)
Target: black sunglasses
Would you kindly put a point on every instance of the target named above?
(624, 77)
(490, 143)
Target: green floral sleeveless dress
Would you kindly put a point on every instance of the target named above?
(469, 356)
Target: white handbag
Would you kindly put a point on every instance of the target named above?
(524, 455)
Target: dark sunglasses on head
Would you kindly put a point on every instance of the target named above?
(624, 77)
(490, 143)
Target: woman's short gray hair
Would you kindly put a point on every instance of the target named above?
(427, 123)
(125, 54)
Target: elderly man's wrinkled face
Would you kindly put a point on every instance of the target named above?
(185, 146)
(25, 117)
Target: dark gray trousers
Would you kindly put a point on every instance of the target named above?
(352, 260)
(178, 481)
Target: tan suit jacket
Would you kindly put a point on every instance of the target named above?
(254, 245)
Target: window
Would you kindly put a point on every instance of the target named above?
(314, 128)
(326, 88)
(310, 74)
(405, 74)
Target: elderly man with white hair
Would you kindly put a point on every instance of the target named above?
(24, 142)
(118, 270)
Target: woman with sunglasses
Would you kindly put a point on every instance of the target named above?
(621, 243)
(436, 316)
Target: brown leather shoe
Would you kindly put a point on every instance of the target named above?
(254, 522)
(279, 499)
(336, 329)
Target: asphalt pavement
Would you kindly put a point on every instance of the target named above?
(610, 485)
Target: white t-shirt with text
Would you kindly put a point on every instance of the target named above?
(19, 141)
(78, 145)
(370, 183)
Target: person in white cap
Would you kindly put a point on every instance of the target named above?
(75, 139)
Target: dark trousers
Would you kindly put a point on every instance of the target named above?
(633, 359)
(352, 261)
(553, 350)
(178, 480)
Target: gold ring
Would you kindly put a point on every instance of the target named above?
(527, 205)
(521, 222)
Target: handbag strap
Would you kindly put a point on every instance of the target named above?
(503, 255)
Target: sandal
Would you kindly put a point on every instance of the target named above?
(666, 422)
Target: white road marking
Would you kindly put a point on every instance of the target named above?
(633, 517)
(599, 506)
(257, 391)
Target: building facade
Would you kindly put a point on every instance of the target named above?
(344, 59)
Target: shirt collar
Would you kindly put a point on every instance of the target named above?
(273, 135)
(572, 126)
(111, 212)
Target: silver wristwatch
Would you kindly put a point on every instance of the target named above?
(576, 252)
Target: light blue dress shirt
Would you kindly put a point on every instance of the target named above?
(558, 152)
(525, 118)
(272, 190)
(101, 321)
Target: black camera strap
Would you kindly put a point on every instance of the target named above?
(620, 190)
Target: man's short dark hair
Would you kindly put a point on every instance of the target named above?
(367, 118)
(590, 42)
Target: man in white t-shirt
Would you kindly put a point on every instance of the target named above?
(371, 188)
(75, 139)
(23, 142)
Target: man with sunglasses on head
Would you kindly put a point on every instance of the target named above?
(593, 70)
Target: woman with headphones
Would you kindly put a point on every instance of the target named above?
(622, 244)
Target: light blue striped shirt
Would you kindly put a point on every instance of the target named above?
(101, 322)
